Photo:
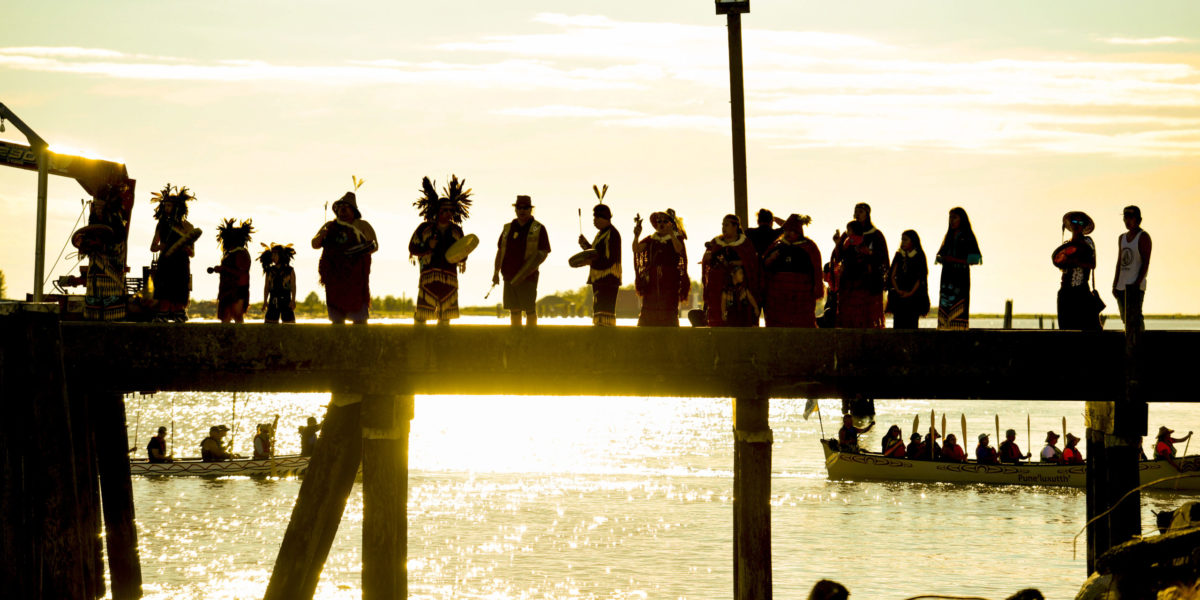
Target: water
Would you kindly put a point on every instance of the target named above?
(534, 497)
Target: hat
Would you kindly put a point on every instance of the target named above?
(602, 211)
(1050, 435)
(523, 202)
(915, 436)
(1071, 439)
(983, 436)
(162, 429)
(1164, 431)
(1081, 218)
(796, 222)
(216, 428)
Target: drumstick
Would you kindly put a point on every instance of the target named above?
(489, 292)
(580, 220)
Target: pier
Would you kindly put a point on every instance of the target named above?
(64, 444)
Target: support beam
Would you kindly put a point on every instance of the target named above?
(385, 496)
(116, 491)
(752, 499)
(737, 114)
(321, 502)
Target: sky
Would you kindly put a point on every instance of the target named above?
(1018, 111)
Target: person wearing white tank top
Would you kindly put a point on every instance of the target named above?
(1133, 261)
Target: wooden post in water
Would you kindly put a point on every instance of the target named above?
(1008, 321)
(752, 440)
(320, 503)
(116, 492)
(385, 496)
(45, 548)
(87, 480)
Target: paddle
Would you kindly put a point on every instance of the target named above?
(1029, 434)
(964, 428)
(931, 430)
(943, 422)
(916, 424)
(580, 221)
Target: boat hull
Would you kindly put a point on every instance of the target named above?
(280, 466)
(860, 467)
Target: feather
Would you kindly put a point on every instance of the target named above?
(427, 202)
(596, 188)
(458, 197)
(604, 191)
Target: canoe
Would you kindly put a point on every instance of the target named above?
(859, 467)
(280, 466)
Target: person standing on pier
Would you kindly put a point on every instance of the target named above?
(660, 267)
(522, 247)
(233, 292)
(732, 279)
(861, 260)
(437, 296)
(156, 450)
(1051, 453)
(212, 449)
(605, 272)
(959, 251)
(1009, 451)
(1077, 302)
(102, 241)
(792, 267)
(346, 244)
(279, 283)
(984, 453)
(908, 277)
(1129, 282)
(174, 240)
(765, 234)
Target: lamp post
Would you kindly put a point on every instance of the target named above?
(733, 9)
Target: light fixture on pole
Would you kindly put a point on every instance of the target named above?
(733, 9)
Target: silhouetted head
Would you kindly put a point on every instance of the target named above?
(765, 217)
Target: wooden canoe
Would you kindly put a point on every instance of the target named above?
(279, 466)
(860, 467)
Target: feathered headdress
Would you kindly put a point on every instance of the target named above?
(286, 253)
(179, 195)
(458, 198)
(231, 235)
(427, 202)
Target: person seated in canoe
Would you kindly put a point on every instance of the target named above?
(893, 443)
(931, 449)
(1009, 451)
(1071, 455)
(951, 451)
(1164, 448)
(308, 436)
(848, 434)
(212, 449)
(984, 453)
(1051, 453)
(157, 448)
(915, 449)
(264, 440)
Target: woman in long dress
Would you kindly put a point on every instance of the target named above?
(660, 264)
(861, 257)
(1077, 259)
(792, 266)
(908, 299)
(732, 278)
(959, 251)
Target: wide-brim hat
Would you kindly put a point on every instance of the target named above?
(1071, 438)
(983, 436)
(1050, 435)
(523, 201)
(1078, 216)
(1164, 431)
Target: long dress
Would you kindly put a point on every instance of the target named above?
(437, 297)
(1076, 304)
(793, 278)
(732, 280)
(909, 270)
(172, 274)
(954, 304)
(345, 269)
(862, 260)
(662, 281)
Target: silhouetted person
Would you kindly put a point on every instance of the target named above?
(174, 240)
(279, 283)
(732, 278)
(908, 299)
(233, 292)
(792, 274)
(959, 251)
(212, 449)
(1010, 452)
(522, 247)
(1076, 259)
(660, 268)
(156, 450)
(437, 296)
(309, 434)
(604, 275)
(984, 453)
(860, 264)
(1129, 282)
(346, 244)
(765, 234)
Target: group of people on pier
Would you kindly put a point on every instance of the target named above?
(927, 448)
(771, 273)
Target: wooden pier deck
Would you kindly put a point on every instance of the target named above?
(53, 373)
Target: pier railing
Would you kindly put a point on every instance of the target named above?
(64, 443)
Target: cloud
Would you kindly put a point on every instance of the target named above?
(1154, 41)
(803, 88)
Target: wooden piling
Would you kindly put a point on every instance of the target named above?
(320, 503)
(116, 491)
(385, 496)
(752, 499)
(43, 553)
(1008, 315)
(87, 479)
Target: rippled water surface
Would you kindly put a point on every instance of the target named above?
(533, 497)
